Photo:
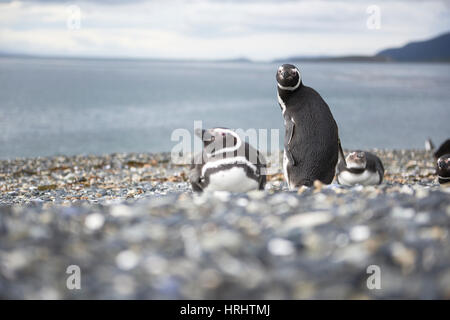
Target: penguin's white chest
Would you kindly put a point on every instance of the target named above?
(233, 180)
(366, 178)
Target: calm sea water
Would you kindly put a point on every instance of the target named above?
(50, 107)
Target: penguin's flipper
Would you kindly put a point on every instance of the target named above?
(380, 170)
(289, 134)
(341, 152)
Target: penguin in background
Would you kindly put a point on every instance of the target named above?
(362, 168)
(311, 144)
(429, 145)
(226, 163)
(442, 157)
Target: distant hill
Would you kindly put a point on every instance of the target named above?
(433, 50)
(119, 58)
(436, 49)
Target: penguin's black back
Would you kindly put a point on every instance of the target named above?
(374, 163)
(314, 144)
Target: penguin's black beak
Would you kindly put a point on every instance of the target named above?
(286, 75)
(357, 157)
(199, 133)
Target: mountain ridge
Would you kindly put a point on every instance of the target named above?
(436, 49)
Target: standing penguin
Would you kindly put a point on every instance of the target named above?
(311, 142)
(363, 168)
(226, 164)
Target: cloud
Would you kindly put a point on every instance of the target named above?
(211, 29)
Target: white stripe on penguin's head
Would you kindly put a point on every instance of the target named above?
(228, 149)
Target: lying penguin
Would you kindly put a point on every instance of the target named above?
(226, 164)
(363, 168)
(442, 156)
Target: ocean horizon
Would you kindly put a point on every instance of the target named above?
(63, 106)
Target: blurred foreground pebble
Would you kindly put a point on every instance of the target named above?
(136, 231)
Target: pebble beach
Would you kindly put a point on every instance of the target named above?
(137, 231)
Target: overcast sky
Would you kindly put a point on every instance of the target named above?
(214, 29)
